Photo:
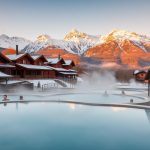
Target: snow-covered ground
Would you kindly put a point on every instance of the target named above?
(42, 82)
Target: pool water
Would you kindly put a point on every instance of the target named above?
(81, 97)
(56, 126)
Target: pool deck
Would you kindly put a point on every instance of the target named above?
(145, 105)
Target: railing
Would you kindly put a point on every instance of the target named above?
(49, 86)
(69, 82)
(62, 83)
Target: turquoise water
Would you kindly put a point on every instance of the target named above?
(56, 126)
(80, 97)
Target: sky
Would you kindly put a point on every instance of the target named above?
(30, 18)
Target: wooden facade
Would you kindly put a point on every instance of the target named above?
(8, 69)
(34, 71)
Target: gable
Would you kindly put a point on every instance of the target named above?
(4, 59)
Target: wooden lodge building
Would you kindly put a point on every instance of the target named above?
(36, 67)
(140, 75)
(35, 71)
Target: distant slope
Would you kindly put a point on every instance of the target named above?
(122, 47)
(11, 42)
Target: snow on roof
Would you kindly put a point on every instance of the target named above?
(60, 69)
(35, 67)
(68, 73)
(53, 60)
(6, 66)
(72, 70)
(3, 75)
(68, 62)
(138, 71)
(35, 57)
(63, 70)
(14, 56)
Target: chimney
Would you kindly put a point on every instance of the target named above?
(17, 52)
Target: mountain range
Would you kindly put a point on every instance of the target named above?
(118, 46)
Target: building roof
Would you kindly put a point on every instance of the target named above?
(6, 66)
(71, 70)
(53, 60)
(139, 71)
(68, 73)
(35, 57)
(64, 70)
(3, 75)
(14, 56)
(34, 67)
(4, 57)
(60, 69)
(68, 62)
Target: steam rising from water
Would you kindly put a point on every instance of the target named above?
(97, 81)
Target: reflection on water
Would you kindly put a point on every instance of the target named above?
(117, 109)
(17, 106)
(148, 114)
(55, 126)
(72, 106)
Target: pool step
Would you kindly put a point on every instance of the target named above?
(62, 83)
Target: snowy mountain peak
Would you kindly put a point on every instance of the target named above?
(43, 38)
(120, 35)
(74, 30)
(74, 42)
(11, 42)
(4, 36)
(74, 35)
